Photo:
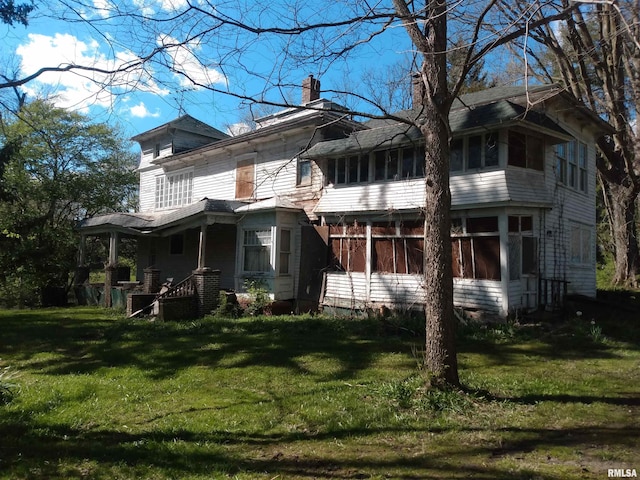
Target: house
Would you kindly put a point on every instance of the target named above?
(322, 209)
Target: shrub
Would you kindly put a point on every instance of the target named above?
(258, 296)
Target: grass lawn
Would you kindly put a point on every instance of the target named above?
(98, 396)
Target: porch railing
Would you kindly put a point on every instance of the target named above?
(184, 288)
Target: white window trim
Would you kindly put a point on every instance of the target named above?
(257, 228)
(172, 194)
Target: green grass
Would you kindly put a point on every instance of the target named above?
(94, 395)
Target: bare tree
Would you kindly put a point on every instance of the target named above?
(595, 53)
(274, 42)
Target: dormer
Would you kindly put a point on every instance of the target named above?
(177, 136)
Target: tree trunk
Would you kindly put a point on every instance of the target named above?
(440, 357)
(433, 121)
(622, 220)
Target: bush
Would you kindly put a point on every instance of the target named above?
(258, 297)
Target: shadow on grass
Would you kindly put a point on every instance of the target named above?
(39, 450)
(84, 340)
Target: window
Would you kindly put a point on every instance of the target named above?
(176, 246)
(580, 244)
(245, 173)
(474, 152)
(526, 151)
(386, 165)
(304, 172)
(475, 248)
(456, 155)
(397, 247)
(523, 247)
(571, 165)
(285, 251)
(156, 150)
(412, 162)
(257, 250)
(348, 247)
(174, 190)
(354, 169)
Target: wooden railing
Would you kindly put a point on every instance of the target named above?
(183, 288)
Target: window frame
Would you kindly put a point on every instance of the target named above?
(572, 165)
(170, 193)
(584, 256)
(304, 179)
(465, 150)
(257, 247)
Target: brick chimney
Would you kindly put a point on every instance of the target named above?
(418, 89)
(310, 89)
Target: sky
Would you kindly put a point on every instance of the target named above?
(101, 38)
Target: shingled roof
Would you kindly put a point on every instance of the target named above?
(467, 116)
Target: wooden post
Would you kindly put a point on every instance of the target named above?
(113, 248)
(202, 248)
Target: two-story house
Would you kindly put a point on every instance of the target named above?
(322, 208)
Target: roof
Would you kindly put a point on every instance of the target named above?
(139, 223)
(185, 123)
(487, 115)
(136, 223)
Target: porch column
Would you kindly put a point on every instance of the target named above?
(202, 247)
(111, 269)
(113, 248)
(503, 229)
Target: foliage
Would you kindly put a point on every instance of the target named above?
(10, 12)
(258, 296)
(7, 386)
(59, 168)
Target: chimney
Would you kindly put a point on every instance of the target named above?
(418, 89)
(310, 89)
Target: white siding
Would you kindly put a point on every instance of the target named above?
(483, 295)
(402, 195)
(349, 290)
(481, 187)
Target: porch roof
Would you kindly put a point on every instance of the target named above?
(141, 223)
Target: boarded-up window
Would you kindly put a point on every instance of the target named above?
(245, 173)
(415, 255)
(348, 254)
(474, 254)
(486, 252)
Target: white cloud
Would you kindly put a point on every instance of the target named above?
(140, 111)
(80, 89)
(192, 72)
(102, 7)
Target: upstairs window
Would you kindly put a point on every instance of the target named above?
(474, 152)
(395, 164)
(526, 151)
(353, 169)
(304, 172)
(571, 165)
(174, 190)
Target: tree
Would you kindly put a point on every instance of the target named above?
(275, 43)
(596, 55)
(11, 13)
(57, 167)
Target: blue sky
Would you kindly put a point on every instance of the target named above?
(260, 68)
